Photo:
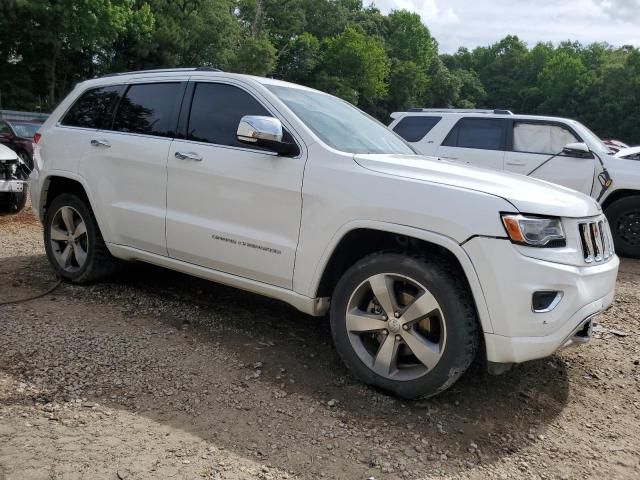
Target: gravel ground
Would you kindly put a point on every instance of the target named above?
(159, 375)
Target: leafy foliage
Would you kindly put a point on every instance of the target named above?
(382, 63)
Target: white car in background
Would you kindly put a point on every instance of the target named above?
(631, 153)
(558, 150)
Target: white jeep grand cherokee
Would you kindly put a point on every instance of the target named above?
(295, 194)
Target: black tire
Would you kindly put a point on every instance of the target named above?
(455, 300)
(624, 220)
(99, 263)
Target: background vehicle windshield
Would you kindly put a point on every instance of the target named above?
(25, 130)
(595, 140)
(339, 124)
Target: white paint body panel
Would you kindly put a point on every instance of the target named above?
(225, 217)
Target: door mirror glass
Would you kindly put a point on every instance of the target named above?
(264, 132)
(576, 149)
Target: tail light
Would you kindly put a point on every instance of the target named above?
(36, 138)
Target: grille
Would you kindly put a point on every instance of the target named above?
(597, 245)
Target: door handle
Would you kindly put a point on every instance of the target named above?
(450, 158)
(100, 143)
(188, 156)
(516, 163)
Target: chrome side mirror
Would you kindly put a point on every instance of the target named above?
(253, 128)
(264, 132)
(576, 149)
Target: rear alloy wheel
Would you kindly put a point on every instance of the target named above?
(624, 220)
(69, 240)
(73, 242)
(404, 324)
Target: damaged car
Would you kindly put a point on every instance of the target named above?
(13, 177)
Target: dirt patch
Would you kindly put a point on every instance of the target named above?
(160, 375)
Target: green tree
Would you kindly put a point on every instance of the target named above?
(354, 66)
(64, 36)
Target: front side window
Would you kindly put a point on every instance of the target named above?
(216, 111)
(149, 109)
(93, 108)
(541, 138)
(479, 133)
(339, 124)
(415, 128)
(4, 129)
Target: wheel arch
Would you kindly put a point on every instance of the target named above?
(57, 183)
(359, 239)
(616, 195)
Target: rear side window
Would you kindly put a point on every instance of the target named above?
(93, 109)
(150, 109)
(414, 128)
(480, 133)
(216, 111)
(541, 138)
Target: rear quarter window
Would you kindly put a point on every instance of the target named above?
(415, 128)
(93, 108)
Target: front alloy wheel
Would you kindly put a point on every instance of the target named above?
(405, 323)
(396, 326)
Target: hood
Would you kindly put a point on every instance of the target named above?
(7, 154)
(527, 195)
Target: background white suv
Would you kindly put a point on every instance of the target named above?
(295, 194)
(558, 150)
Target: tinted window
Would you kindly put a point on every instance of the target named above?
(216, 111)
(481, 133)
(414, 128)
(4, 129)
(93, 108)
(150, 109)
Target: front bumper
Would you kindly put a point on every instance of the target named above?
(509, 279)
(12, 186)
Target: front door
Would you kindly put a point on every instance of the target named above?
(230, 207)
(535, 143)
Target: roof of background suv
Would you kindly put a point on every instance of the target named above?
(476, 113)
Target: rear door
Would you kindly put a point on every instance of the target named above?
(532, 145)
(476, 141)
(127, 167)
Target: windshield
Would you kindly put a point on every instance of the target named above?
(595, 140)
(25, 130)
(339, 124)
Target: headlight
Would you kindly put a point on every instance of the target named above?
(534, 231)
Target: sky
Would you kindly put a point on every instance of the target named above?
(473, 23)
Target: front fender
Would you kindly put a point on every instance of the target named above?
(425, 235)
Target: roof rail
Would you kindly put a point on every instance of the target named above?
(165, 70)
(495, 111)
